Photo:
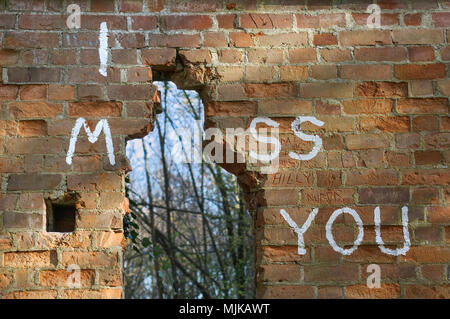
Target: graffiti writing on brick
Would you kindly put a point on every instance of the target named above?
(300, 231)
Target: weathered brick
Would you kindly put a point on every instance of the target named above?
(159, 57)
(368, 106)
(421, 54)
(274, 198)
(32, 294)
(384, 124)
(240, 39)
(92, 22)
(60, 278)
(61, 92)
(428, 234)
(383, 195)
(422, 106)
(380, 54)
(175, 22)
(198, 6)
(102, 6)
(425, 195)
(130, 92)
(29, 110)
(110, 277)
(90, 74)
(407, 140)
(33, 92)
(282, 39)
(437, 141)
(41, 22)
(130, 5)
(372, 37)
(195, 56)
(372, 177)
(155, 5)
(270, 90)
(240, 108)
(8, 56)
(430, 254)
(214, 39)
(335, 55)
(285, 292)
(425, 177)
(419, 71)
(230, 73)
(387, 291)
(288, 107)
(366, 141)
(95, 109)
(124, 56)
(386, 18)
(34, 74)
(321, 20)
(8, 92)
(110, 239)
(279, 273)
(226, 21)
(33, 128)
(265, 21)
(427, 157)
(341, 196)
(34, 182)
(329, 293)
(324, 39)
(441, 19)
(30, 259)
(293, 73)
(413, 19)
(418, 36)
(33, 5)
(326, 90)
(421, 88)
(366, 72)
(382, 89)
(28, 39)
(21, 220)
(337, 273)
(302, 55)
(107, 293)
(89, 259)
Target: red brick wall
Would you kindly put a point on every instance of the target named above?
(382, 94)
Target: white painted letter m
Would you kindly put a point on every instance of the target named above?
(92, 137)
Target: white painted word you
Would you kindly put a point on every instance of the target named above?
(329, 234)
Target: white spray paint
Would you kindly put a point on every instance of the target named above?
(92, 137)
(329, 232)
(103, 49)
(407, 242)
(302, 230)
(374, 20)
(265, 139)
(309, 138)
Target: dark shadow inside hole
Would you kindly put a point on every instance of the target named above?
(60, 217)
